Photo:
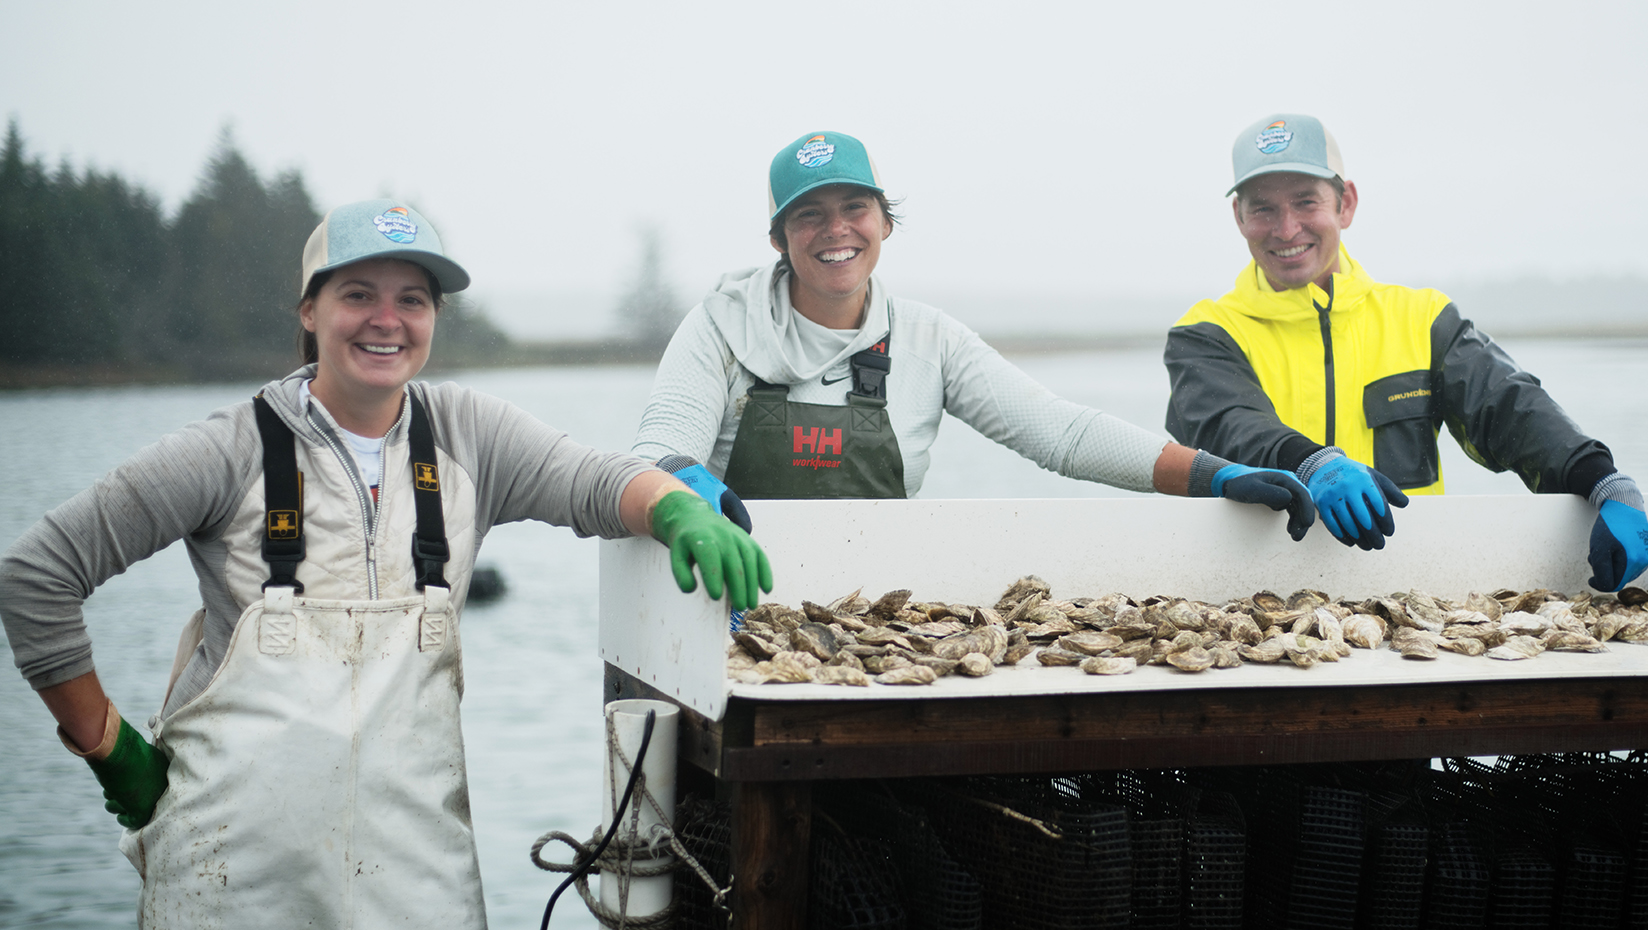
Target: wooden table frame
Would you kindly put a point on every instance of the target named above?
(768, 753)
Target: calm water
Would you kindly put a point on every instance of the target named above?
(532, 709)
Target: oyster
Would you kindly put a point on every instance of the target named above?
(1194, 659)
(1054, 656)
(990, 640)
(1564, 641)
(911, 675)
(815, 639)
(1265, 653)
(1018, 646)
(853, 604)
(841, 675)
(975, 665)
(1108, 665)
(1089, 642)
(1364, 630)
(789, 667)
(877, 665)
(888, 604)
(1021, 589)
(1517, 647)
(756, 646)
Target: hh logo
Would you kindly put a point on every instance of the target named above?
(425, 477)
(283, 524)
(818, 440)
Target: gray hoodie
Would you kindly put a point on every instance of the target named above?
(746, 329)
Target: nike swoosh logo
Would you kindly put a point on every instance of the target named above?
(827, 381)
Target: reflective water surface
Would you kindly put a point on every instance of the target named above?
(532, 706)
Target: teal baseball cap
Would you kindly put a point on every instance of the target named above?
(814, 160)
(1286, 142)
(378, 229)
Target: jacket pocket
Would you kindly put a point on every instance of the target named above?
(1399, 411)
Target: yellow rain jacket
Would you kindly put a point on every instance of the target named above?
(1268, 377)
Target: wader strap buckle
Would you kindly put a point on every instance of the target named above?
(870, 367)
(283, 546)
(429, 549)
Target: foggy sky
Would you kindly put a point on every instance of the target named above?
(1073, 148)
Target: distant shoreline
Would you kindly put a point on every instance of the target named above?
(623, 352)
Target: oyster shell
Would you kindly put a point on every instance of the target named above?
(841, 675)
(1364, 630)
(1108, 665)
(975, 665)
(990, 640)
(912, 675)
(1194, 659)
(1055, 656)
(816, 639)
(1517, 647)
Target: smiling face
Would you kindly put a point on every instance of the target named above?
(1291, 223)
(833, 236)
(373, 322)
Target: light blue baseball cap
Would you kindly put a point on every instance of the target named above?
(814, 160)
(378, 229)
(1286, 142)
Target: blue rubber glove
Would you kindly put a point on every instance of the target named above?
(1352, 498)
(710, 488)
(1619, 538)
(1272, 487)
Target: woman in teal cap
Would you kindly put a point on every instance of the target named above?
(308, 767)
(806, 379)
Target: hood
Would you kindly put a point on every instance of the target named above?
(1254, 297)
(758, 325)
(284, 396)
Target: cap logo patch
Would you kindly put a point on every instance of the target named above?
(816, 153)
(396, 225)
(1274, 138)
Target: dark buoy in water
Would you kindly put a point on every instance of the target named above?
(486, 584)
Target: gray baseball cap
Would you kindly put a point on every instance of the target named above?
(1286, 142)
(378, 229)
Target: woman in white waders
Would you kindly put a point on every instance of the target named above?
(806, 379)
(308, 768)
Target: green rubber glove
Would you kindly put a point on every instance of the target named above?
(694, 532)
(133, 776)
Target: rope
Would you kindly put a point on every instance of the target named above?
(626, 858)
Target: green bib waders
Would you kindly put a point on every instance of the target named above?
(800, 451)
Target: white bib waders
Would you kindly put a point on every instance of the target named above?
(318, 781)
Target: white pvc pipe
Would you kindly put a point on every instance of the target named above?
(647, 896)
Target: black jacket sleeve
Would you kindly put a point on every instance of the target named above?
(1217, 404)
(1503, 418)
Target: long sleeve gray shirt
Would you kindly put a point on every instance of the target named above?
(204, 484)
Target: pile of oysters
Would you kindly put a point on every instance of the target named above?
(896, 640)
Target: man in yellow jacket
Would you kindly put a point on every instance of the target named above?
(1311, 365)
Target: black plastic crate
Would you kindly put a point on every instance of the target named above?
(1157, 853)
(1394, 875)
(937, 893)
(1593, 887)
(1215, 861)
(852, 885)
(705, 829)
(1523, 890)
(1457, 896)
(1043, 860)
(1309, 839)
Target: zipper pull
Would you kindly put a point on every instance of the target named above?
(372, 551)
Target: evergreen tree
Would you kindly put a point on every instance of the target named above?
(649, 311)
